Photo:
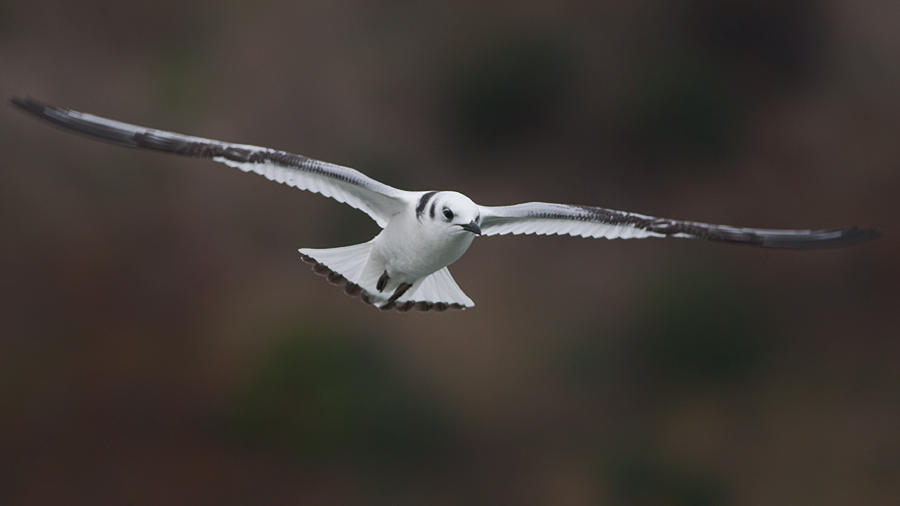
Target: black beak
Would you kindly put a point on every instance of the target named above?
(471, 227)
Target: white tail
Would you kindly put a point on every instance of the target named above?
(348, 261)
(345, 266)
(438, 288)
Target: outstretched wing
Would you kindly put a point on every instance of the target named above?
(584, 221)
(343, 184)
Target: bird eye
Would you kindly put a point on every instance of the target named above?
(448, 213)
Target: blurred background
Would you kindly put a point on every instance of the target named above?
(162, 343)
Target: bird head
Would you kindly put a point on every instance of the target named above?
(456, 212)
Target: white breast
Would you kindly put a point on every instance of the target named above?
(411, 248)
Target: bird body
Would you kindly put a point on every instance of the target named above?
(414, 245)
(405, 265)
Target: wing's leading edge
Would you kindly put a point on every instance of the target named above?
(343, 184)
(545, 218)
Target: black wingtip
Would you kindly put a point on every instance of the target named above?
(855, 235)
(818, 239)
(73, 121)
(27, 104)
(39, 109)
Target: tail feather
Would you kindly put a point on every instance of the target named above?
(346, 266)
(438, 289)
(348, 261)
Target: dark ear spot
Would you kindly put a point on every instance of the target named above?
(431, 211)
(420, 206)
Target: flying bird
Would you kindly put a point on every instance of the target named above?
(405, 265)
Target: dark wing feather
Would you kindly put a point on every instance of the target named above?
(344, 184)
(584, 221)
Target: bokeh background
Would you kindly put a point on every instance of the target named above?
(162, 343)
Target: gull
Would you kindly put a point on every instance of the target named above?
(405, 265)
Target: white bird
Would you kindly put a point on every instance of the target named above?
(405, 265)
